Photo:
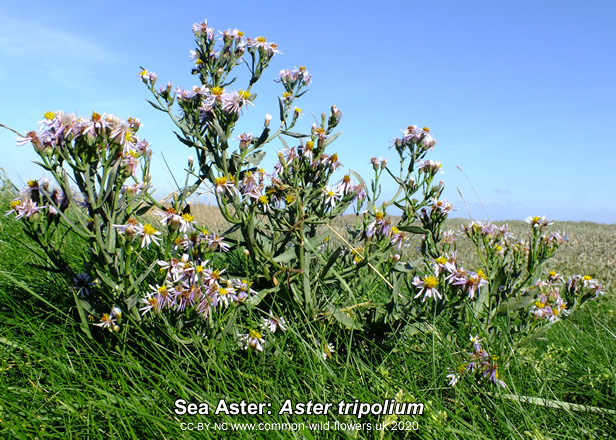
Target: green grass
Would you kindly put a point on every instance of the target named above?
(58, 383)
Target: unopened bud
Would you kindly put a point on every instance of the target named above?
(191, 161)
(375, 163)
(268, 119)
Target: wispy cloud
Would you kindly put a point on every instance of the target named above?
(29, 40)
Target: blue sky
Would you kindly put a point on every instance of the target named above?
(521, 95)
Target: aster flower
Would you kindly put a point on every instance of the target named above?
(226, 183)
(538, 222)
(234, 101)
(397, 237)
(453, 379)
(327, 350)
(150, 234)
(274, 323)
(25, 209)
(107, 321)
(443, 207)
(82, 283)
(470, 281)
(331, 197)
(215, 241)
(427, 287)
(243, 288)
(150, 303)
(253, 339)
(430, 166)
(129, 230)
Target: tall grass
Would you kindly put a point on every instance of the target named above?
(58, 383)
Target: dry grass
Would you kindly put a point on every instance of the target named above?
(591, 249)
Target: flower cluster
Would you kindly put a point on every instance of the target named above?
(208, 100)
(59, 128)
(414, 136)
(447, 270)
(313, 170)
(479, 364)
(292, 79)
(191, 285)
(550, 303)
(133, 229)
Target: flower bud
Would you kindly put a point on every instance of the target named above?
(191, 161)
(268, 119)
(375, 163)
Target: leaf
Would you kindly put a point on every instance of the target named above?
(185, 141)
(85, 326)
(331, 139)
(295, 134)
(407, 266)
(156, 106)
(263, 137)
(141, 277)
(281, 109)
(413, 229)
(132, 301)
(515, 304)
(344, 318)
(255, 158)
(222, 136)
(255, 299)
(107, 280)
(284, 143)
(286, 256)
(330, 262)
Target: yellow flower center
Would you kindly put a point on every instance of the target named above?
(49, 115)
(149, 229)
(430, 282)
(263, 199)
(217, 91)
(481, 274)
(441, 260)
(188, 217)
(254, 334)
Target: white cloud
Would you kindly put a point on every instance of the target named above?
(31, 41)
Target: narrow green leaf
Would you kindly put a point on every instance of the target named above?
(255, 158)
(156, 106)
(331, 139)
(295, 134)
(414, 229)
